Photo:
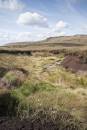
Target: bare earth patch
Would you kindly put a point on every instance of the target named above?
(74, 63)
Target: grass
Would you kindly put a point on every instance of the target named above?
(31, 97)
(10, 76)
(48, 86)
(31, 88)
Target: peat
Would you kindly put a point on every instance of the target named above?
(63, 121)
(75, 63)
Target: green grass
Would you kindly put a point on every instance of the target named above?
(10, 77)
(30, 88)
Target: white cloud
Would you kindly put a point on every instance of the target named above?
(11, 4)
(32, 19)
(60, 25)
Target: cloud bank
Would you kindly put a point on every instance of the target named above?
(58, 29)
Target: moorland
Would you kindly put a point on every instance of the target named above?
(43, 85)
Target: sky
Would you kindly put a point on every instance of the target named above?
(33, 20)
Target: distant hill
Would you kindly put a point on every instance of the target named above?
(75, 42)
(67, 39)
(75, 39)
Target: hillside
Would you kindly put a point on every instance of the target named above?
(74, 39)
(43, 86)
(52, 43)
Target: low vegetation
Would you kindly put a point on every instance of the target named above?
(47, 93)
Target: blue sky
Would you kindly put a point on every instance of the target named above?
(31, 20)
